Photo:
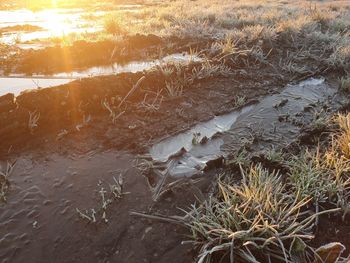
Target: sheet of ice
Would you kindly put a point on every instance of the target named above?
(191, 139)
(18, 85)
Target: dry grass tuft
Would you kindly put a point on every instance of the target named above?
(345, 83)
(256, 220)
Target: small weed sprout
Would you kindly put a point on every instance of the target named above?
(116, 188)
(345, 83)
(196, 138)
(166, 70)
(320, 121)
(107, 198)
(85, 215)
(274, 156)
(240, 101)
(258, 54)
(153, 104)
(174, 88)
(340, 56)
(240, 159)
(309, 179)
(225, 47)
(33, 121)
(209, 69)
(86, 121)
(4, 180)
(61, 134)
(114, 114)
(134, 88)
(294, 68)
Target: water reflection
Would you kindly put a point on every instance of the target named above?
(53, 22)
(18, 83)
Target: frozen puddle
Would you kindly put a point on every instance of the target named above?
(132, 67)
(16, 84)
(196, 146)
(194, 138)
(34, 46)
(275, 118)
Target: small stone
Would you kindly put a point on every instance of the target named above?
(281, 103)
(329, 253)
(204, 140)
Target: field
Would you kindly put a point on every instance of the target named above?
(175, 131)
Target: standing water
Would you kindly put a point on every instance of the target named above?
(17, 84)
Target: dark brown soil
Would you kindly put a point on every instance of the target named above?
(39, 222)
(333, 229)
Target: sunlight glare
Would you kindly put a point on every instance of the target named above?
(54, 3)
(56, 24)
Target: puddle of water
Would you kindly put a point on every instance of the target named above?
(263, 118)
(196, 159)
(274, 114)
(19, 83)
(132, 67)
(191, 139)
(35, 46)
(311, 81)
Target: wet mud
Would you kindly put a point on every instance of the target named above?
(40, 222)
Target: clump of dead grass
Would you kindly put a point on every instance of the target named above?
(325, 176)
(345, 83)
(256, 220)
(112, 25)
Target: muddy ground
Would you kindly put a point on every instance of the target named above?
(83, 54)
(63, 163)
